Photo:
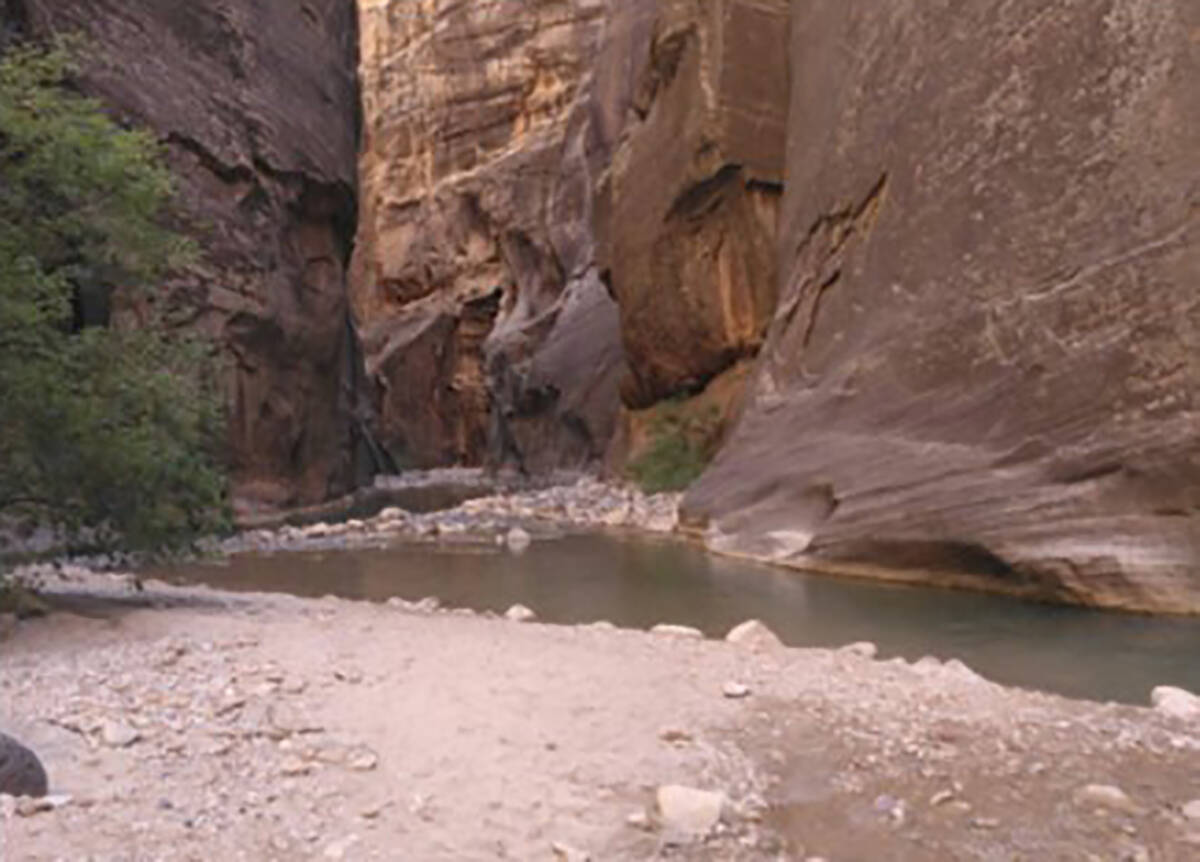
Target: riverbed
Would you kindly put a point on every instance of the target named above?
(637, 582)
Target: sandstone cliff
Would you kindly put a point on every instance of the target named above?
(983, 367)
(256, 101)
(688, 206)
(487, 332)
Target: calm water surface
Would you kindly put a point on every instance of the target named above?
(638, 583)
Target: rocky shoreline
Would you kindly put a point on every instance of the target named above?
(587, 503)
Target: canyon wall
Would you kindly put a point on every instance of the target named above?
(256, 103)
(687, 209)
(551, 188)
(984, 367)
(488, 334)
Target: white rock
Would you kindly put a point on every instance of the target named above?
(672, 631)
(317, 530)
(1192, 810)
(862, 649)
(1105, 796)
(1176, 702)
(520, 614)
(29, 806)
(638, 820)
(754, 634)
(517, 540)
(114, 734)
(338, 849)
(603, 625)
(363, 760)
(735, 690)
(567, 853)
(687, 810)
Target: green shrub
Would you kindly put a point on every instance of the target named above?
(683, 441)
(112, 435)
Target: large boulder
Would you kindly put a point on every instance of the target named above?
(21, 773)
(487, 333)
(984, 363)
(256, 102)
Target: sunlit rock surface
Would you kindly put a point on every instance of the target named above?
(487, 332)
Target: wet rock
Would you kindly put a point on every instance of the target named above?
(21, 772)
(1176, 703)
(517, 540)
(674, 631)
(754, 634)
(1105, 796)
(520, 614)
(688, 811)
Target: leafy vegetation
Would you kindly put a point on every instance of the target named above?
(110, 434)
(683, 441)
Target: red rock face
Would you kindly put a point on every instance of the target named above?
(689, 203)
(256, 102)
(983, 368)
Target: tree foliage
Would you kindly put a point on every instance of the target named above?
(107, 433)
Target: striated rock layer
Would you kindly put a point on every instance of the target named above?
(985, 363)
(256, 101)
(688, 207)
(487, 333)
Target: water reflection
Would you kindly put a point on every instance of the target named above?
(637, 583)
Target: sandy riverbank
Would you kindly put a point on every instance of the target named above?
(189, 724)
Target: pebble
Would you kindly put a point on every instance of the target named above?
(295, 766)
(674, 631)
(754, 634)
(674, 734)
(339, 848)
(1105, 796)
(1192, 810)
(861, 649)
(28, 806)
(941, 798)
(567, 853)
(517, 540)
(1176, 703)
(363, 760)
(520, 614)
(689, 811)
(639, 820)
(735, 690)
(116, 734)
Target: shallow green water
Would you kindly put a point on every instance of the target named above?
(637, 583)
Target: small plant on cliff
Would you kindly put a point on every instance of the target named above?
(682, 442)
(108, 433)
